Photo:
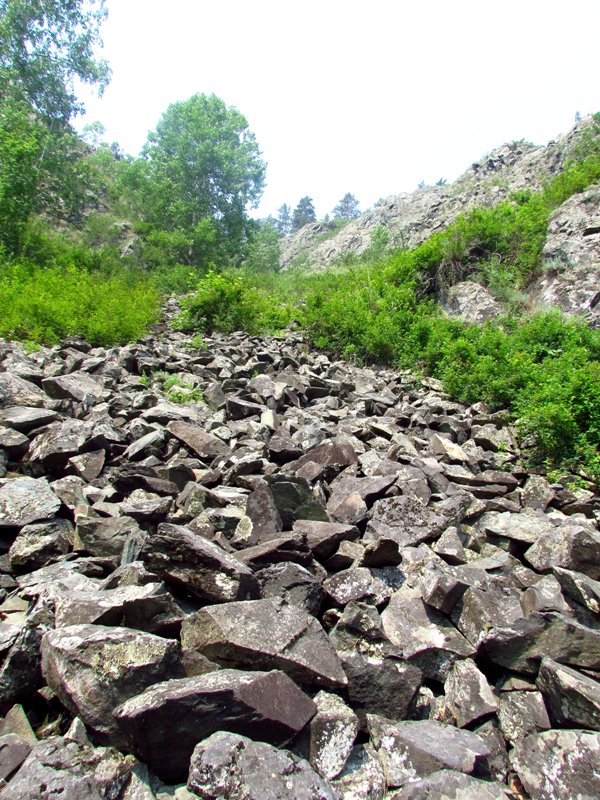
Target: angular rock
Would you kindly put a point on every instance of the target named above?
(26, 500)
(363, 777)
(468, 694)
(323, 538)
(294, 500)
(332, 733)
(198, 566)
(203, 444)
(572, 546)
(293, 583)
(57, 443)
(265, 634)
(404, 520)
(39, 543)
(229, 765)
(93, 669)
(558, 764)
(15, 391)
(521, 713)
(164, 724)
(107, 537)
(78, 386)
(573, 699)
(414, 749)
(27, 418)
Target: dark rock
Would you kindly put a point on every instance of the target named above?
(332, 733)
(521, 713)
(556, 764)
(78, 386)
(26, 419)
(198, 566)
(293, 583)
(573, 699)
(57, 443)
(265, 634)
(229, 765)
(294, 500)
(203, 444)
(164, 724)
(449, 785)
(93, 668)
(58, 767)
(40, 542)
(107, 537)
(404, 520)
(13, 752)
(323, 538)
(26, 500)
(571, 546)
(468, 694)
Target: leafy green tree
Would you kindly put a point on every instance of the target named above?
(284, 220)
(44, 45)
(264, 250)
(201, 168)
(347, 208)
(303, 213)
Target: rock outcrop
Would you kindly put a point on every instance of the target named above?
(336, 573)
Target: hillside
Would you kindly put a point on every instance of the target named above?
(571, 253)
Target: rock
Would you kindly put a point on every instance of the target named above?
(556, 764)
(415, 749)
(78, 386)
(404, 520)
(57, 767)
(572, 546)
(468, 694)
(363, 777)
(107, 537)
(93, 669)
(294, 500)
(294, 584)
(521, 713)
(323, 538)
(16, 391)
(471, 302)
(13, 752)
(356, 583)
(265, 634)
(20, 673)
(26, 500)
(38, 543)
(27, 418)
(449, 785)
(197, 565)
(203, 444)
(57, 443)
(163, 724)
(573, 699)
(332, 733)
(581, 588)
(229, 765)
(425, 637)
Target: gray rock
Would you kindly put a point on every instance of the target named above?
(106, 537)
(78, 386)
(265, 634)
(16, 391)
(404, 520)
(415, 749)
(197, 565)
(203, 444)
(324, 538)
(57, 443)
(558, 764)
(20, 673)
(572, 546)
(363, 777)
(332, 733)
(471, 302)
(294, 584)
(449, 785)
(581, 588)
(468, 694)
(93, 669)
(13, 752)
(294, 500)
(39, 543)
(26, 500)
(573, 699)
(58, 767)
(229, 765)
(164, 724)
(521, 713)
(26, 418)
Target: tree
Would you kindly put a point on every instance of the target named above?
(264, 249)
(347, 208)
(201, 168)
(44, 46)
(284, 220)
(303, 213)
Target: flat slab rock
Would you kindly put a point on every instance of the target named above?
(265, 634)
(227, 765)
(559, 764)
(164, 724)
(26, 500)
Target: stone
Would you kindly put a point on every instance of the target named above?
(332, 733)
(471, 302)
(27, 418)
(294, 500)
(468, 694)
(13, 752)
(26, 500)
(521, 713)
(262, 512)
(292, 582)
(107, 537)
(414, 749)
(404, 520)
(38, 543)
(528, 526)
(203, 444)
(164, 724)
(78, 386)
(58, 767)
(57, 443)
(265, 634)
(425, 637)
(16, 391)
(324, 538)
(230, 765)
(20, 673)
(198, 566)
(579, 587)
(446, 784)
(93, 669)
(572, 546)
(363, 777)
(572, 698)
(558, 763)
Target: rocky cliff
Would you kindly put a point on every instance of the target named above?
(572, 257)
(318, 582)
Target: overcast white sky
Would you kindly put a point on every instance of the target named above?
(368, 96)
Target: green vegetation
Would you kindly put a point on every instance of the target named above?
(175, 388)
(90, 239)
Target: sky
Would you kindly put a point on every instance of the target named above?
(369, 97)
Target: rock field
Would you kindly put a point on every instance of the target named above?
(322, 582)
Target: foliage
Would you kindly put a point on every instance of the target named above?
(284, 220)
(44, 46)
(51, 303)
(304, 213)
(263, 251)
(175, 388)
(201, 168)
(347, 208)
